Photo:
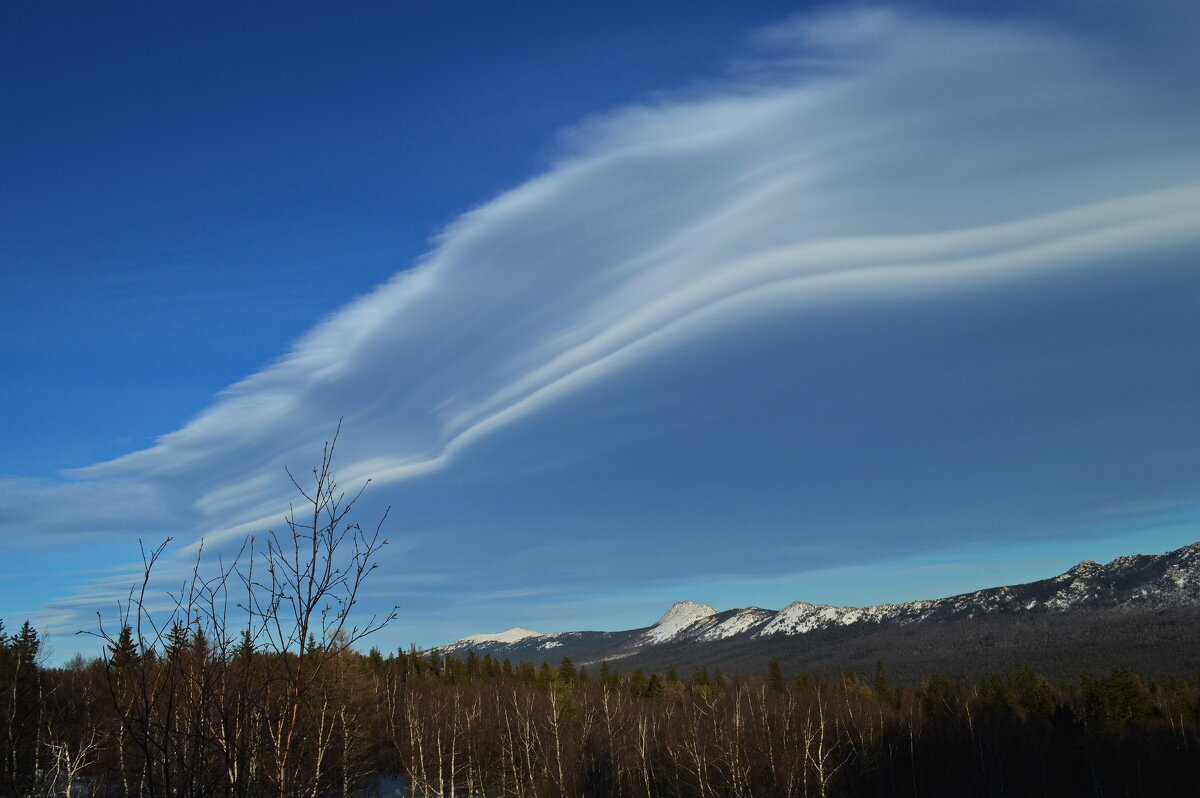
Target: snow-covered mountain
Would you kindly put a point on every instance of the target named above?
(513, 635)
(682, 616)
(1136, 582)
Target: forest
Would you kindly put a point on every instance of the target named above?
(194, 718)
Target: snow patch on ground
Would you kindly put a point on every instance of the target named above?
(735, 625)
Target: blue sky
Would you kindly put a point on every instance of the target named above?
(844, 303)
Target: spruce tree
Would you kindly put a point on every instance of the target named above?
(123, 654)
(199, 646)
(25, 645)
(566, 671)
(882, 686)
(177, 638)
(775, 682)
(637, 683)
(608, 679)
(245, 648)
(472, 664)
(375, 661)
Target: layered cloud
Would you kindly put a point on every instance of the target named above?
(884, 251)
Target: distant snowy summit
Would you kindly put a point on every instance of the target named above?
(1141, 581)
(514, 635)
(682, 616)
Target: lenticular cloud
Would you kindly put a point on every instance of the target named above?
(861, 156)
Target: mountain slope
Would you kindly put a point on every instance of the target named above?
(1051, 617)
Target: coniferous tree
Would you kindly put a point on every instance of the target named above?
(637, 683)
(545, 675)
(199, 646)
(124, 653)
(883, 686)
(775, 682)
(609, 679)
(245, 648)
(176, 642)
(26, 645)
(472, 664)
(566, 672)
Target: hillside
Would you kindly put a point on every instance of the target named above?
(1142, 611)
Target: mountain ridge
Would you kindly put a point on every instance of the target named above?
(1136, 583)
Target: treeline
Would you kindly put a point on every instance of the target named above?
(194, 716)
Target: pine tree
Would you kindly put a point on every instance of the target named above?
(472, 664)
(608, 677)
(775, 682)
(637, 683)
(199, 646)
(375, 662)
(1128, 698)
(123, 654)
(883, 686)
(26, 645)
(566, 672)
(245, 649)
(176, 643)
(939, 696)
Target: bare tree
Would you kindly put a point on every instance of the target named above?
(202, 709)
(315, 569)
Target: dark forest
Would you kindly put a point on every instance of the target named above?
(198, 719)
